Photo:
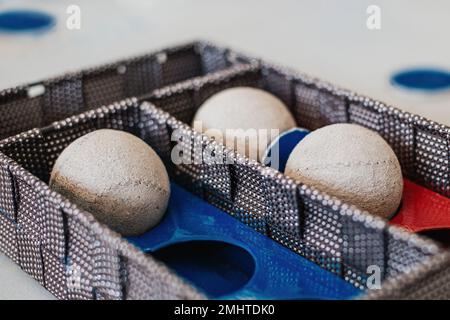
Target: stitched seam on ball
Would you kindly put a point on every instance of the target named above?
(75, 184)
(352, 164)
(140, 182)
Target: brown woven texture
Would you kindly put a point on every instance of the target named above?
(77, 258)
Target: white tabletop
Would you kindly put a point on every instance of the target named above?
(324, 38)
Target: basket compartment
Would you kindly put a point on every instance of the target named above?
(422, 147)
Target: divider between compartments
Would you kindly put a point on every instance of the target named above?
(248, 193)
(154, 130)
(19, 111)
(285, 212)
(315, 107)
(182, 100)
(432, 147)
(213, 58)
(63, 98)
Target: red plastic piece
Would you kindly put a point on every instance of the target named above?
(422, 209)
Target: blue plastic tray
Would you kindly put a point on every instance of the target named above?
(228, 260)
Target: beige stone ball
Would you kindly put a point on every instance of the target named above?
(245, 119)
(115, 176)
(351, 163)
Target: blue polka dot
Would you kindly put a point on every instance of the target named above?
(423, 79)
(25, 21)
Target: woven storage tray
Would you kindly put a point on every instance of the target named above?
(51, 248)
(55, 242)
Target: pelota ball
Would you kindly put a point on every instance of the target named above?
(244, 109)
(115, 176)
(351, 163)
